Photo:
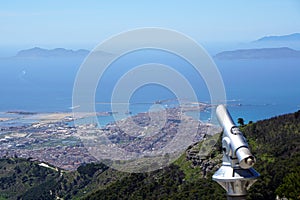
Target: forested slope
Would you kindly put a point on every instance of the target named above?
(275, 142)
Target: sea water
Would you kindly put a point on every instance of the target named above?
(255, 89)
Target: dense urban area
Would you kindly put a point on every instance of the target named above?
(57, 140)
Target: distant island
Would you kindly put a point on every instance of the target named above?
(61, 52)
(38, 52)
(290, 37)
(291, 41)
(262, 53)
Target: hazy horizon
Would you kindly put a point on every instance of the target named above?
(74, 25)
(211, 47)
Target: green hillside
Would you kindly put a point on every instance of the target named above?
(275, 143)
(20, 177)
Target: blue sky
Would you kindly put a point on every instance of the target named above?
(83, 24)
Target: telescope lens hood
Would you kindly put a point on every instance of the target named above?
(245, 158)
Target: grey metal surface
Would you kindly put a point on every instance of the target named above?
(236, 174)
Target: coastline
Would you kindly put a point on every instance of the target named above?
(55, 139)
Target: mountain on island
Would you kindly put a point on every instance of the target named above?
(290, 37)
(60, 52)
(262, 53)
(291, 41)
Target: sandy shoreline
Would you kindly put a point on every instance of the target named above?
(50, 117)
(53, 117)
(3, 119)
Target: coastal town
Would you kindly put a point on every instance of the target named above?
(56, 139)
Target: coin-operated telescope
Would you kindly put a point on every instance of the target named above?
(236, 174)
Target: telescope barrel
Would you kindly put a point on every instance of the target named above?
(233, 139)
(224, 117)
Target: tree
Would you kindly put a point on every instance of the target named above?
(241, 121)
(291, 185)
